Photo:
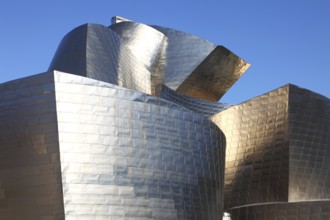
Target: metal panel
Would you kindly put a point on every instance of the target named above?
(97, 52)
(126, 154)
(257, 153)
(309, 135)
(142, 58)
(203, 107)
(183, 54)
(214, 76)
(148, 46)
(277, 148)
(30, 173)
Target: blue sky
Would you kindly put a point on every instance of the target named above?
(286, 41)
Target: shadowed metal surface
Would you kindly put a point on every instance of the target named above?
(277, 148)
(309, 138)
(183, 54)
(203, 107)
(30, 172)
(257, 151)
(214, 76)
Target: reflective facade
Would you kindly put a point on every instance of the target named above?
(105, 151)
(143, 58)
(126, 124)
(277, 153)
(30, 170)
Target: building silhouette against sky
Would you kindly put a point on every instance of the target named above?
(126, 124)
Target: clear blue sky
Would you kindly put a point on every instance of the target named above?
(286, 41)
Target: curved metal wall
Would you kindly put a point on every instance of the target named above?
(70, 55)
(143, 58)
(125, 154)
(148, 46)
(145, 42)
(203, 107)
(183, 54)
(97, 52)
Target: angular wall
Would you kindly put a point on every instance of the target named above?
(277, 156)
(211, 79)
(309, 140)
(257, 152)
(30, 171)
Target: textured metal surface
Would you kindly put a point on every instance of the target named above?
(127, 154)
(143, 58)
(257, 153)
(148, 46)
(183, 54)
(30, 173)
(277, 148)
(214, 76)
(97, 52)
(203, 107)
(83, 146)
(314, 210)
(309, 139)
(106, 151)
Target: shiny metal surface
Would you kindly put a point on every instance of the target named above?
(97, 52)
(198, 68)
(309, 141)
(214, 76)
(257, 151)
(30, 171)
(183, 54)
(93, 145)
(126, 154)
(83, 148)
(200, 106)
(149, 47)
(277, 148)
(143, 58)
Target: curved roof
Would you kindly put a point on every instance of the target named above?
(144, 58)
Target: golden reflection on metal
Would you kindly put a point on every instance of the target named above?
(273, 160)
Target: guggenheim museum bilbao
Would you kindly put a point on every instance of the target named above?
(126, 124)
